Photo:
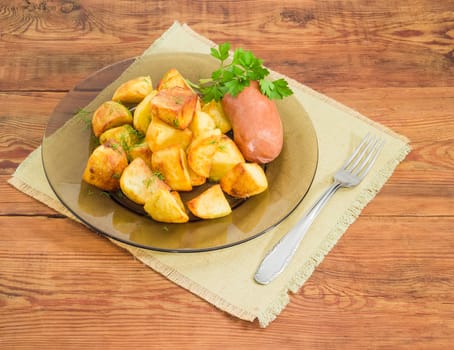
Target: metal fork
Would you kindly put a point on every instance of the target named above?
(349, 175)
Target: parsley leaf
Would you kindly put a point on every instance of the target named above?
(266, 87)
(233, 77)
(277, 89)
(222, 52)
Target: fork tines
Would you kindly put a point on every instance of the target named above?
(364, 156)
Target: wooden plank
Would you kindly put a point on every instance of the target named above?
(413, 112)
(23, 119)
(422, 184)
(409, 199)
(326, 49)
(15, 203)
(58, 291)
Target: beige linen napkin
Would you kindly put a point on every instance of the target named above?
(225, 277)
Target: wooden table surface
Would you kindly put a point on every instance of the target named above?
(388, 283)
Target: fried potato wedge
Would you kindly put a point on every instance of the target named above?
(161, 135)
(110, 114)
(166, 206)
(178, 199)
(105, 166)
(196, 179)
(200, 153)
(125, 135)
(244, 180)
(134, 90)
(138, 182)
(227, 155)
(175, 106)
(142, 113)
(171, 79)
(215, 110)
(171, 162)
(140, 150)
(210, 204)
(201, 124)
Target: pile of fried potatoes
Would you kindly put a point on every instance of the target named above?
(169, 143)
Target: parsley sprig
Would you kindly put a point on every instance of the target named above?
(233, 77)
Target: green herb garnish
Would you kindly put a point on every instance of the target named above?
(159, 175)
(105, 194)
(135, 133)
(233, 77)
(85, 116)
(147, 182)
(178, 100)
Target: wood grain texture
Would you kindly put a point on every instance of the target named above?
(75, 285)
(386, 285)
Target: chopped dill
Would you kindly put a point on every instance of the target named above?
(159, 175)
(124, 142)
(104, 193)
(120, 194)
(136, 133)
(178, 100)
(147, 182)
(84, 116)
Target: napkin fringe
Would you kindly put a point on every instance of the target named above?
(350, 215)
(40, 196)
(173, 275)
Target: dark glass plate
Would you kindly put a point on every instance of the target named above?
(67, 144)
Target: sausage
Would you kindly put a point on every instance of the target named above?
(256, 123)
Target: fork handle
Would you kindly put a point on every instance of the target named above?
(279, 257)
